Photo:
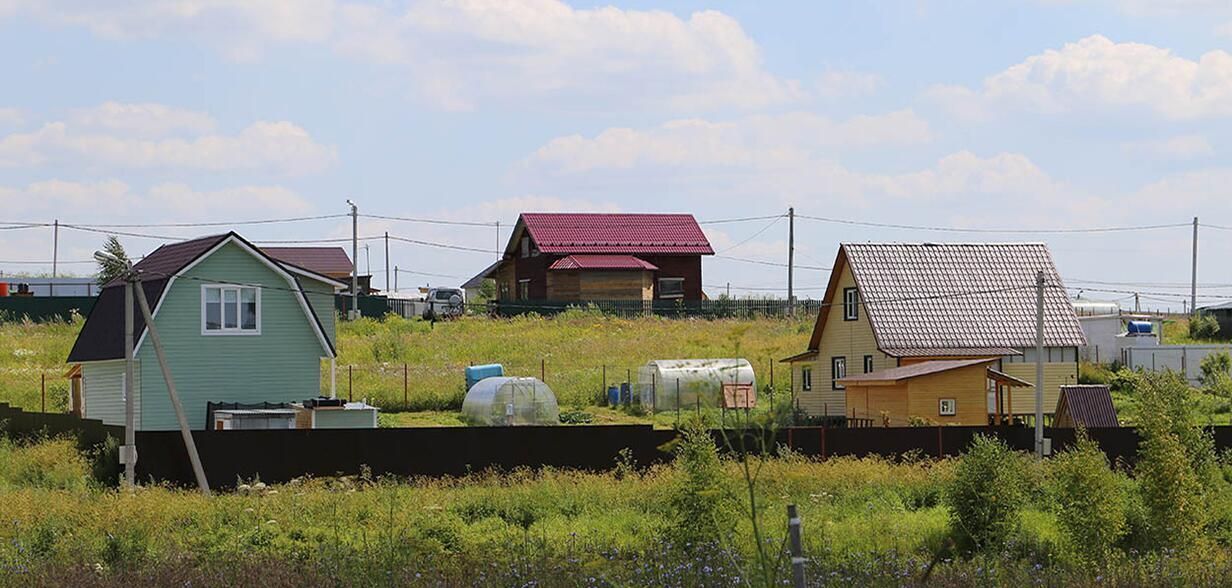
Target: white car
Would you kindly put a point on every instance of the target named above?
(444, 303)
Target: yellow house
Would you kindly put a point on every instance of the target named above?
(947, 392)
(892, 305)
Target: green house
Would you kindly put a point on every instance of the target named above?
(236, 325)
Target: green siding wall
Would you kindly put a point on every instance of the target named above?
(321, 295)
(282, 364)
(343, 419)
(104, 395)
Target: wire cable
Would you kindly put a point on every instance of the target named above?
(773, 222)
(773, 263)
(990, 230)
(431, 221)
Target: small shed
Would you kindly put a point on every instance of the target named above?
(505, 401)
(1088, 405)
(333, 413)
(668, 384)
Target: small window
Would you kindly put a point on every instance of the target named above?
(232, 310)
(523, 289)
(851, 304)
(868, 364)
(806, 378)
(947, 407)
(838, 371)
(671, 287)
(525, 246)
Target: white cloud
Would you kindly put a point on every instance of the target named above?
(842, 84)
(1180, 147)
(1096, 73)
(460, 54)
(11, 117)
(113, 200)
(146, 120)
(240, 29)
(756, 141)
(130, 136)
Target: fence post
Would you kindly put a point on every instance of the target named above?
(405, 385)
(543, 370)
(823, 441)
(603, 389)
(350, 380)
(940, 447)
(797, 548)
(43, 390)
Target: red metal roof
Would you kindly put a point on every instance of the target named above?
(663, 234)
(328, 261)
(602, 262)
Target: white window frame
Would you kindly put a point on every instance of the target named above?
(851, 304)
(238, 329)
(671, 279)
(806, 378)
(947, 407)
(835, 364)
(868, 364)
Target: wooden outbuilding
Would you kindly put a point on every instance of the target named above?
(1089, 406)
(951, 392)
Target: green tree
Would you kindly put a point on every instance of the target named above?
(986, 494)
(1203, 327)
(1216, 378)
(116, 266)
(1090, 501)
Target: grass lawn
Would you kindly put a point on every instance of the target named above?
(571, 351)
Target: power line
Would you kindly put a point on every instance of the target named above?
(432, 221)
(773, 222)
(441, 245)
(773, 263)
(738, 220)
(267, 221)
(990, 230)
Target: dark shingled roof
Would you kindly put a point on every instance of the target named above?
(1087, 405)
(102, 336)
(327, 261)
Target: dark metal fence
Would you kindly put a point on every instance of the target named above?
(279, 456)
(711, 309)
(19, 424)
(44, 308)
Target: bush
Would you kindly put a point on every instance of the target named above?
(984, 498)
(1203, 327)
(1090, 502)
(1177, 472)
(1216, 378)
(1125, 380)
(700, 499)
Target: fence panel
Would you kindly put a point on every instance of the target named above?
(712, 309)
(1182, 359)
(44, 308)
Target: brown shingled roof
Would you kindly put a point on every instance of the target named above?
(914, 370)
(1088, 405)
(955, 296)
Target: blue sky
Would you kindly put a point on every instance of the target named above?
(1030, 114)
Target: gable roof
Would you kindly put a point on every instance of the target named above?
(566, 233)
(915, 370)
(327, 261)
(602, 262)
(102, 336)
(954, 296)
(1087, 405)
(477, 280)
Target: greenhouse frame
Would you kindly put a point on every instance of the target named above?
(508, 401)
(671, 384)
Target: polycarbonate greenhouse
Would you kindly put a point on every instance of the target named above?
(686, 383)
(505, 401)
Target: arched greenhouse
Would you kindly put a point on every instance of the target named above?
(504, 401)
(687, 383)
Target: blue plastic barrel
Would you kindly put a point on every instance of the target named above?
(613, 395)
(478, 372)
(1140, 327)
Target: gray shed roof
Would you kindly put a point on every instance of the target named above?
(958, 295)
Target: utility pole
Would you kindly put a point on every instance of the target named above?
(129, 452)
(368, 259)
(1039, 364)
(498, 241)
(729, 290)
(395, 278)
(185, 432)
(387, 261)
(55, 256)
(354, 312)
(791, 260)
(1193, 284)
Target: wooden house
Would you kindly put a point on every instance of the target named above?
(892, 305)
(577, 257)
(236, 325)
(1085, 405)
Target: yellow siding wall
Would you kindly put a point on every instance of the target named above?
(1056, 374)
(968, 386)
(850, 339)
(920, 397)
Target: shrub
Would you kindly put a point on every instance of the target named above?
(1126, 380)
(1203, 327)
(1216, 378)
(986, 493)
(700, 499)
(1177, 471)
(1090, 502)
(1094, 373)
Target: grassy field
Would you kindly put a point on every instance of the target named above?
(571, 351)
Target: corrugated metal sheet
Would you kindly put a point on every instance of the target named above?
(913, 371)
(961, 295)
(663, 234)
(602, 262)
(1087, 405)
